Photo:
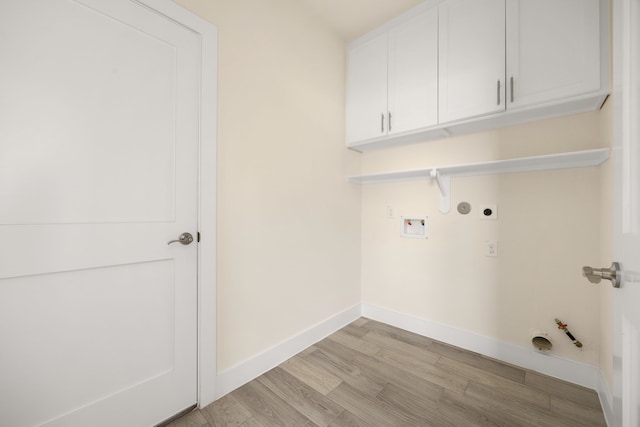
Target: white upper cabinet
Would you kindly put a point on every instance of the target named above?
(472, 58)
(392, 80)
(413, 73)
(553, 50)
(367, 90)
(449, 67)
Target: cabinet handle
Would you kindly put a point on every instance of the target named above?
(511, 88)
(381, 122)
(498, 91)
(389, 121)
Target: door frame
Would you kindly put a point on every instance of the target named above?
(208, 35)
(626, 90)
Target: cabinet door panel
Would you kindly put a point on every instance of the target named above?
(553, 49)
(367, 90)
(471, 58)
(413, 73)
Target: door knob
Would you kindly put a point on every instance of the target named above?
(185, 239)
(595, 275)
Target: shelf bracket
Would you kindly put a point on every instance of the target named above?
(444, 185)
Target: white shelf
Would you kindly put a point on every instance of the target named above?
(576, 159)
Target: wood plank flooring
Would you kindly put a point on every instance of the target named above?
(372, 374)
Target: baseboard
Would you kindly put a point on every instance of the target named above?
(246, 371)
(606, 399)
(558, 367)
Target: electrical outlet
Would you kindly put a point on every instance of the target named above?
(488, 211)
(491, 248)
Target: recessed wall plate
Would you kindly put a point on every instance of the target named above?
(488, 211)
(415, 227)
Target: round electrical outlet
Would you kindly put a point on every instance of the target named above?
(464, 208)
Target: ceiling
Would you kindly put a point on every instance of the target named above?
(353, 18)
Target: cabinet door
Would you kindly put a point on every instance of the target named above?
(413, 73)
(471, 58)
(553, 49)
(367, 90)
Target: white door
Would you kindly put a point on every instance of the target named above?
(553, 50)
(98, 171)
(367, 90)
(413, 73)
(471, 58)
(626, 308)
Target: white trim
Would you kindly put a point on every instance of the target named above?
(246, 371)
(207, 180)
(528, 358)
(207, 253)
(606, 399)
(564, 369)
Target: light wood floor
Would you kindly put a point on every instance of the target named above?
(372, 374)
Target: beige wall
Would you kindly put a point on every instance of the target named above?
(297, 244)
(288, 223)
(549, 225)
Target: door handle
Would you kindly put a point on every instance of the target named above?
(595, 275)
(185, 239)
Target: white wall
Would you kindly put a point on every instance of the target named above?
(549, 225)
(288, 223)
